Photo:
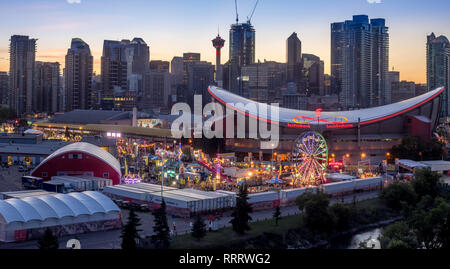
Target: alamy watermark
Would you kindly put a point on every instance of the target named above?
(208, 121)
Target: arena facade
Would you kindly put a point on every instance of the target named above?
(357, 135)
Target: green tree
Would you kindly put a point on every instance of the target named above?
(277, 214)
(199, 228)
(432, 226)
(341, 215)
(130, 231)
(398, 192)
(301, 200)
(413, 147)
(161, 237)
(396, 233)
(408, 149)
(316, 216)
(241, 213)
(48, 240)
(426, 182)
(398, 244)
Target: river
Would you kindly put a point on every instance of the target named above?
(352, 241)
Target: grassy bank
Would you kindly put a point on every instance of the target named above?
(366, 212)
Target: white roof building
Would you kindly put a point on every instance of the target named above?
(54, 210)
(291, 116)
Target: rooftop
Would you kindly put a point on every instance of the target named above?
(291, 116)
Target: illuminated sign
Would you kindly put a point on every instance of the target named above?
(303, 126)
(309, 120)
(339, 126)
(318, 112)
(114, 135)
(336, 165)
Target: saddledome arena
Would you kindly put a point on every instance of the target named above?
(373, 131)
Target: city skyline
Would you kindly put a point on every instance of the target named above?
(55, 22)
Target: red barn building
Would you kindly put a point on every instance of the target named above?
(79, 159)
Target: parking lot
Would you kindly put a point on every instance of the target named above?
(11, 178)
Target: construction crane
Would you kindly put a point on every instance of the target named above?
(249, 18)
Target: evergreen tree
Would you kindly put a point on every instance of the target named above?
(48, 240)
(199, 228)
(130, 233)
(241, 213)
(161, 237)
(277, 214)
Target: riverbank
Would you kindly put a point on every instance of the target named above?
(290, 232)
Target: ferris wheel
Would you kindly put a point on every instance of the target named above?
(310, 155)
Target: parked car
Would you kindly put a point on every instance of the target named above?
(126, 205)
(145, 208)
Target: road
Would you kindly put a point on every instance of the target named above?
(111, 239)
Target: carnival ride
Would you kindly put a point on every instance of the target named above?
(310, 156)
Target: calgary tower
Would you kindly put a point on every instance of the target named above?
(218, 43)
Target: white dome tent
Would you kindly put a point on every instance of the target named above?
(27, 218)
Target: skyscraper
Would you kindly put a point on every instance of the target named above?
(22, 56)
(156, 89)
(381, 93)
(314, 74)
(47, 83)
(137, 54)
(200, 77)
(438, 61)
(294, 60)
(337, 56)
(360, 62)
(242, 53)
(4, 87)
(78, 76)
(176, 69)
(393, 76)
(114, 68)
(262, 82)
(218, 44)
(158, 65)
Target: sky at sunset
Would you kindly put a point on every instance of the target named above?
(171, 27)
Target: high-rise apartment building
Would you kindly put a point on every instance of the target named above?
(337, 56)
(294, 60)
(438, 61)
(242, 53)
(360, 62)
(380, 93)
(22, 56)
(47, 87)
(4, 87)
(78, 76)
